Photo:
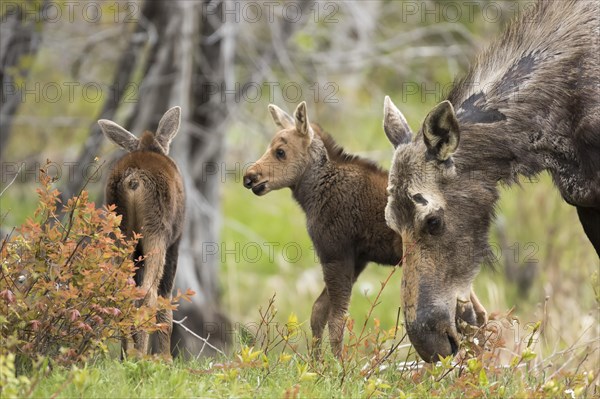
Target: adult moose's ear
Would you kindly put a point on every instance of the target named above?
(441, 132)
(394, 124)
(119, 135)
(280, 117)
(302, 124)
(168, 127)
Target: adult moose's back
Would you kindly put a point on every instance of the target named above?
(530, 103)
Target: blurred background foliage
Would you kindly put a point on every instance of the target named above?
(342, 58)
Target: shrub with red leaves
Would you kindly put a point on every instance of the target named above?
(66, 282)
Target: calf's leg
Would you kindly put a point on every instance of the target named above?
(338, 279)
(165, 290)
(318, 320)
(154, 263)
(480, 311)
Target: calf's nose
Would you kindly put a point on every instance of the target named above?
(250, 178)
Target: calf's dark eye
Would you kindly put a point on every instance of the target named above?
(280, 154)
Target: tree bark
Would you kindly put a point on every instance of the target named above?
(170, 75)
(199, 150)
(144, 35)
(20, 37)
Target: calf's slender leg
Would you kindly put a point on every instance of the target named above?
(480, 311)
(165, 290)
(339, 277)
(154, 264)
(318, 320)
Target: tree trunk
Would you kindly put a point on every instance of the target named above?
(170, 73)
(20, 37)
(143, 35)
(199, 150)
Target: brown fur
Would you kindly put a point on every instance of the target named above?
(147, 188)
(343, 197)
(530, 103)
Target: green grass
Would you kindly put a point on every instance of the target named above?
(255, 375)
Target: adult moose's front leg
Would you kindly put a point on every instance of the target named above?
(471, 310)
(339, 277)
(590, 220)
(318, 320)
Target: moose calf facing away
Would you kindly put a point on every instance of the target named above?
(344, 199)
(147, 189)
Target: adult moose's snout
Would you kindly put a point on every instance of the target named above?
(433, 334)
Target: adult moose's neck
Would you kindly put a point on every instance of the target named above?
(503, 117)
(498, 151)
(525, 95)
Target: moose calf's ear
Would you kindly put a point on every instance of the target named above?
(441, 132)
(168, 127)
(394, 124)
(119, 135)
(280, 117)
(302, 123)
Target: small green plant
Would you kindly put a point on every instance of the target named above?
(66, 283)
(11, 385)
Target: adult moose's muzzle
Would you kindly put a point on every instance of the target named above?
(433, 306)
(433, 333)
(433, 327)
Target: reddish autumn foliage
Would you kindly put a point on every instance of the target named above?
(66, 283)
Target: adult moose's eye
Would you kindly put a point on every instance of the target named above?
(419, 199)
(434, 224)
(280, 154)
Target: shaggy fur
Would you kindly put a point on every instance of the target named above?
(530, 103)
(343, 197)
(147, 188)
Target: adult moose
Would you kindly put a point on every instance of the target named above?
(344, 199)
(530, 103)
(147, 188)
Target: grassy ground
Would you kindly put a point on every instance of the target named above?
(292, 378)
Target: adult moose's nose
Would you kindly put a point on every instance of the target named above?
(433, 334)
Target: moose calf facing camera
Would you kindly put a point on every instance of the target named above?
(147, 189)
(343, 197)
